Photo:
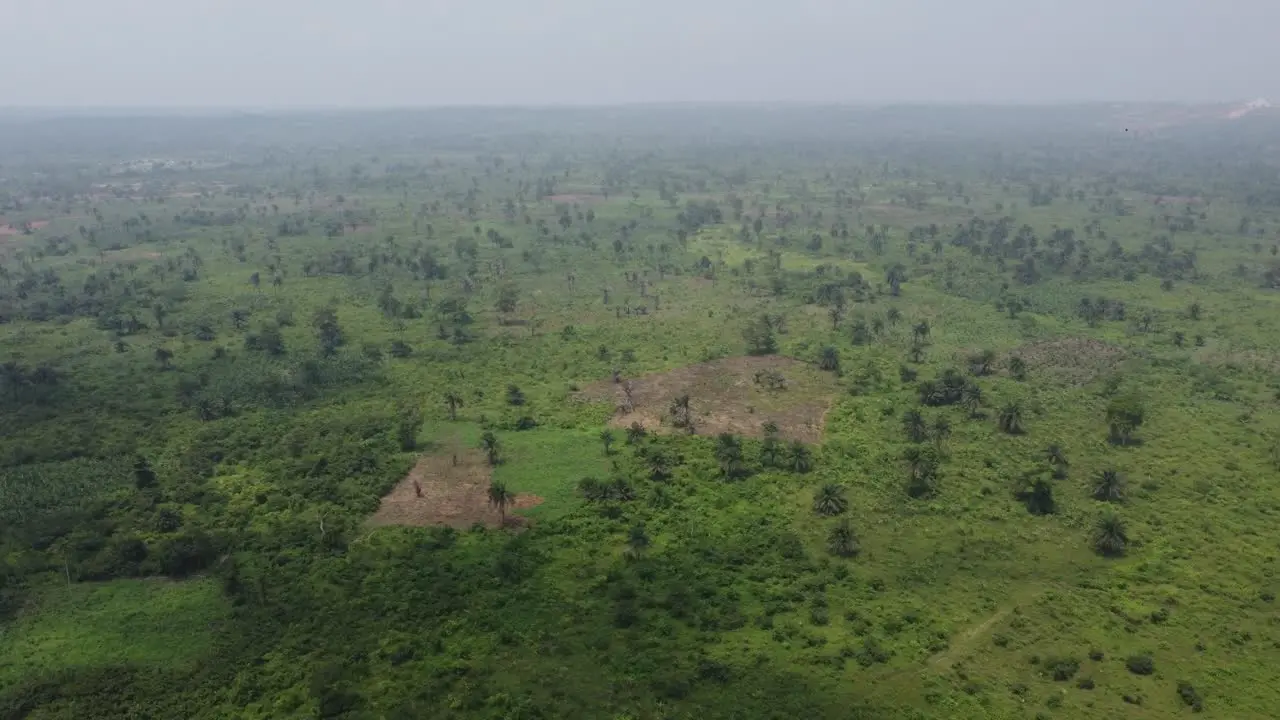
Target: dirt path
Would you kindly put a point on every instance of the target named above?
(964, 643)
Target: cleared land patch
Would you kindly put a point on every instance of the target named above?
(736, 395)
(439, 492)
(1075, 359)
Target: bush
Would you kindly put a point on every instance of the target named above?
(1085, 683)
(1140, 665)
(1189, 696)
(1062, 669)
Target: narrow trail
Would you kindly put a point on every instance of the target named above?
(964, 643)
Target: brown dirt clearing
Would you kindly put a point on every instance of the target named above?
(1076, 359)
(10, 230)
(453, 495)
(726, 397)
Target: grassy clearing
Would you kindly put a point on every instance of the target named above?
(148, 623)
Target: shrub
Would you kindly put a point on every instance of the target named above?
(1140, 664)
(1189, 696)
(1062, 669)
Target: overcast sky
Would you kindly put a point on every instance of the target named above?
(258, 53)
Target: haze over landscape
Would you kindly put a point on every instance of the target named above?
(335, 53)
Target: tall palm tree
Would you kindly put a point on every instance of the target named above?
(941, 431)
(916, 353)
(729, 455)
(1039, 498)
(830, 500)
(454, 401)
(843, 541)
(1010, 420)
(922, 472)
(1057, 459)
(15, 376)
(1110, 536)
(637, 541)
(1110, 487)
(920, 331)
(830, 359)
(980, 363)
(492, 448)
(606, 438)
(971, 398)
(799, 459)
(1018, 368)
(914, 426)
(681, 414)
(500, 497)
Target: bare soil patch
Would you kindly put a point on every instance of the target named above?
(1077, 359)
(731, 395)
(453, 495)
(10, 230)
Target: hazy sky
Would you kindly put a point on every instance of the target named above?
(443, 52)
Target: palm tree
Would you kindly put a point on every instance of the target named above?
(894, 315)
(1179, 338)
(15, 376)
(164, 356)
(861, 333)
(913, 425)
(920, 331)
(842, 541)
(1193, 312)
(941, 431)
(1018, 368)
(922, 472)
(592, 489)
(500, 497)
(681, 416)
(729, 455)
(492, 448)
(454, 401)
(1010, 420)
(1110, 487)
(606, 439)
(1057, 459)
(830, 359)
(916, 353)
(971, 398)
(799, 459)
(829, 500)
(1110, 537)
(635, 433)
(1039, 498)
(835, 312)
(980, 363)
(637, 541)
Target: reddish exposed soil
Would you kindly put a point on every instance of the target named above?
(10, 230)
(725, 397)
(453, 495)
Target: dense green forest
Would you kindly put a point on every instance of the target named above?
(655, 412)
